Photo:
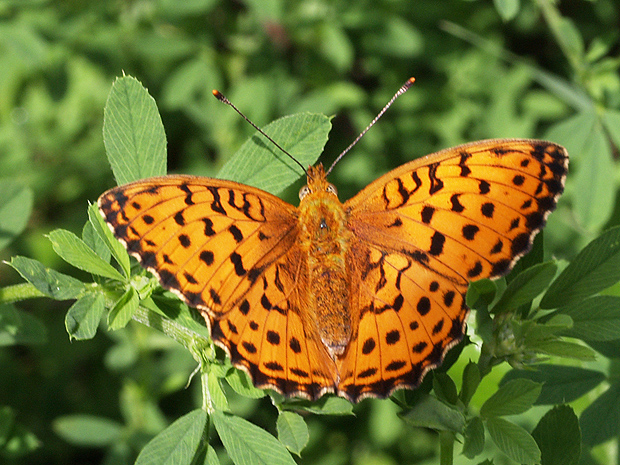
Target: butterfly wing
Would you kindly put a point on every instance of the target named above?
(230, 251)
(422, 233)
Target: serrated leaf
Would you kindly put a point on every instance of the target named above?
(105, 233)
(292, 431)
(526, 286)
(247, 444)
(513, 441)
(514, 397)
(558, 437)
(123, 309)
(560, 383)
(53, 284)
(260, 164)
(594, 319)
(595, 268)
(15, 208)
(91, 239)
(87, 430)
(133, 133)
(474, 438)
(178, 444)
(75, 252)
(20, 327)
(82, 319)
(600, 421)
(431, 413)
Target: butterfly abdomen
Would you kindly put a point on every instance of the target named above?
(325, 240)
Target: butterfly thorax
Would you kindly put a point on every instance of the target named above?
(325, 240)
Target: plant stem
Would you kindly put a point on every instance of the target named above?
(19, 292)
(446, 448)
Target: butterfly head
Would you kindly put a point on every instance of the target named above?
(317, 183)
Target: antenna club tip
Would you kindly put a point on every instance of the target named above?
(411, 80)
(217, 94)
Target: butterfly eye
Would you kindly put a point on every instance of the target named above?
(332, 189)
(303, 192)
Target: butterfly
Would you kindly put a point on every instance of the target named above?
(358, 298)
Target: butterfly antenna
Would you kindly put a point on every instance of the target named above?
(400, 92)
(218, 95)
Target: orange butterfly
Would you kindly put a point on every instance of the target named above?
(357, 299)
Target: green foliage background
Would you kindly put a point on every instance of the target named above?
(483, 69)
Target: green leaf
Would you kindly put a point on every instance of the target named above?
(559, 383)
(507, 9)
(431, 413)
(610, 349)
(123, 309)
(87, 430)
(481, 293)
(178, 444)
(105, 233)
(217, 397)
(516, 396)
(247, 444)
(53, 284)
(594, 319)
(260, 164)
(20, 443)
(292, 431)
(15, 208)
(474, 438)
(596, 162)
(526, 286)
(326, 405)
(7, 423)
(563, 349)
(611, 121)
(513, 441)
(211, 458)
(75, 252)
(600, 421)
(595, 268)
(558, 437)
(336, 46)
(242, 384)
(444, 388)
(570, 38)
(133, 133)
(82, 319)
(19, 327)
(92, 239)
(471, 380)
